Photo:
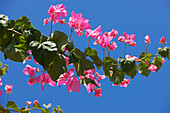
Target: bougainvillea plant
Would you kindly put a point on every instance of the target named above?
(56, 53)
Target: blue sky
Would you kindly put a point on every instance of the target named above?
(143, 95)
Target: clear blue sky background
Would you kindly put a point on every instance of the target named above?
(140, 17)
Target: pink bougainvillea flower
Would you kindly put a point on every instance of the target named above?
(8, 88)
(93, 33)
(73, 84)
(132, 44)
(46, 21)
(81, 77)
(1, 93)
(146, 62)
(0, 82)
(163, 60)
(113, 33)
(112, 46)
(90, 74)
(130, 56)
(128, 39)
(103, 40)
(90, 87)
(62, 79)
(98, 92)
(51, 82)
(43, 79)
(35, 102)
(66, 59)
(28, 103)
(55, 12)
(29, 57)
(125, 83)
(121, 38)
(79, 23)
(100, 77)
(162, 40)
(28, 70)
(31, 81)
(147, 39)
(152, 67)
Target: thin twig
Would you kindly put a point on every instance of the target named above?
(15, 31)
(71, 34)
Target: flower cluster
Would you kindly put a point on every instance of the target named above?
(124, 83)
(55, 13)
(8, 88)
(79, 23)
(1, 85)
(128, 39)
(42, 79)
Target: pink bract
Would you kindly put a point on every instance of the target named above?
(112, 46)
(46, 21)
(8, 88)
(55, 12)
(73, 84)
(147, 39)
(79, 23)
(28, 103)
(35, 102)
(162, 40)
(1, 93)
(28, 70)
(90, 87)
(90, 74)
(0, 82)
(44, 79)
(152, 67)
(125, 83)
(31, 81)
(113, 33)
(163, 60)
(93, 33)
(98, 92)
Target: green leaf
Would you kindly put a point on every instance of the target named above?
(37, 106)
(143, 69)
(117, 77)
(108, 66)
(84, 64)
(143, 55)
(45, 111)
(128, 66)
(0, 64)
(2, 108)
(57, 67)
(70, 46)
(92, 53)
(165, 52)
(15, 54)
(33, 35)
(60, 38)
(43, 53)
(3, 21)
(157, 61)
(75, 55)
(2, 72)
(24, 22)
(5, 37)
(12, 105)
(23, 110)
